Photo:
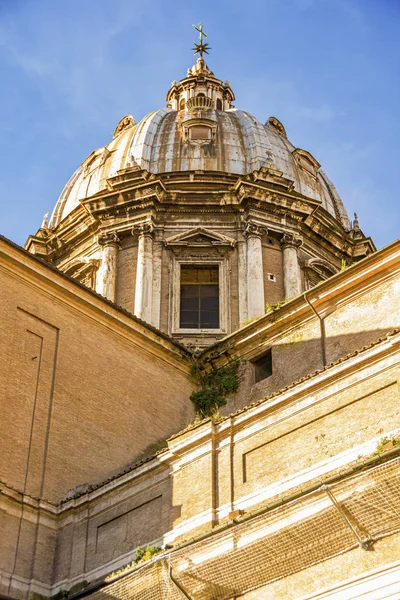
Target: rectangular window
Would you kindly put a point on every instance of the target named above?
(263, 366)
(199, 300)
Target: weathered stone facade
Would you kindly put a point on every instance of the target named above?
(197, 184)
(287, 490)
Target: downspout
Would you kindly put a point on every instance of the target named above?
(322, 329)
(180, 588)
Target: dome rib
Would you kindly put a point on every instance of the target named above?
(241, 145)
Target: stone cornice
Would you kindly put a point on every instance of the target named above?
(134, 195)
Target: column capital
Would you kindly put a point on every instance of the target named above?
(254, 229)
(291, 240)
(146, 228)
(107, 238)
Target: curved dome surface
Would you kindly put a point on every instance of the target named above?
(241, 145)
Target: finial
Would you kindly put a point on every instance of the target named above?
(356, 224)
(45, 223)
(201, 47)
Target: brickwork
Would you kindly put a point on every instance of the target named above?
(109, 382)
(126, 277)
(61, 370)
(273, 273)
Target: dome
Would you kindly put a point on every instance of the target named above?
(199, 217)
(201, 132)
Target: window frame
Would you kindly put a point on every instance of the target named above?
(196, 293)
(199, 261)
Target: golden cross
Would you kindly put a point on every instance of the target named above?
(199, 28)
(201, 46)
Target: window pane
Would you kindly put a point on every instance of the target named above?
(209, 319)
(189, 318)
(199, 308)
(189, 303)
(209, 291)
(209, 303)
(185, 325)
(190, 291)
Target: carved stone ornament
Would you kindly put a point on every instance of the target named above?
(127, 121)
(277, 126)
(143, 229)
(255, 230)
(200, 236)
(291, 240)
(105, 238)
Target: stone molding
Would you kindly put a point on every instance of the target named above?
(200, 236)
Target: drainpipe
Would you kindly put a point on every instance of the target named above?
(180, 588)
(322, 329)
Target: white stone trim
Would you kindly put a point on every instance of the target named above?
(379, 584)
(223, 277)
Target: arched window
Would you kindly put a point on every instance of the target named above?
(182, 104)
(201, 95)
(219, 104)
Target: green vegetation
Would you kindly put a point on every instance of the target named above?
(143, 554)
(384, 442)
(276, 305)
(216, 385)
(248, 321)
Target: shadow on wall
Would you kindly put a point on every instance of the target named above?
(292, 359)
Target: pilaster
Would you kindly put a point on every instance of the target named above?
(107, 274)
(291, 269)
(255, 274)
(144, 272)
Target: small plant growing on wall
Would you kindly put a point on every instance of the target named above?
(276, 305)
(143, 554)
(216, 385)
(386, 444)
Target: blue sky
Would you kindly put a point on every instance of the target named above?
(328, 69)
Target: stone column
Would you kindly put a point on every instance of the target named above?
(144, 273)
(291, 269)
(157, 267)
(106, 280)
(255, 274)
(242, 281)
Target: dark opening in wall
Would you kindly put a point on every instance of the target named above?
(199, 302)
(263, 366)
